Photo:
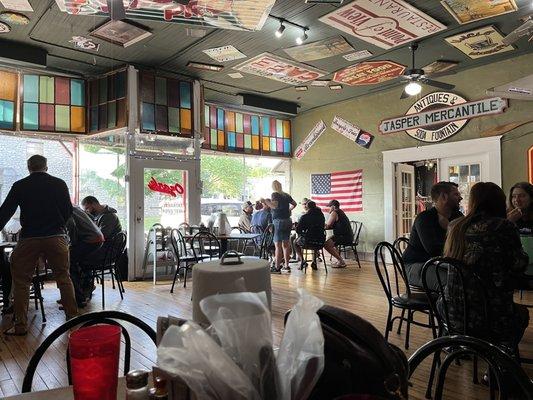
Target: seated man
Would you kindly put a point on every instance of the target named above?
(262, 216)
(85, 239)
(342, 232)
(310, 229)
(245, 221)
(107, 221)
(428, 233)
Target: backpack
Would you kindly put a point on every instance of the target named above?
(358, 360)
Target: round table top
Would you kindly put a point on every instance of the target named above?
(248, 264)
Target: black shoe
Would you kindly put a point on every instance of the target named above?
(303, 265)
(273, 270)
(313, 266)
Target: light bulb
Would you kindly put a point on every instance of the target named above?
(301, 39)
(280, 30)
(413, 88)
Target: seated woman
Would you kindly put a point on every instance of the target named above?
(521, 206)
(342, 232)
(488, 245)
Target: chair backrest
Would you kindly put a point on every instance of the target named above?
(400, 244)
(87, 319)
(205, 244)
(178, 246)
(393, 281)
(447, 308)
(184, 228)
(510, 377)
(356, 229)
(314, 236)
(115, 248)
(267, 241)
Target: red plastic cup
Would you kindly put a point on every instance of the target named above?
(94, 354)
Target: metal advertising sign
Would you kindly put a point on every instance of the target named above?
(352, 132)
(384, 23)
(481, 42)
(280, 69)
(224, 53)
(369, 73)
(320, 49)
(450, 117)
(310, 140)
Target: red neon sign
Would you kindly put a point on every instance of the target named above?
(171, 190)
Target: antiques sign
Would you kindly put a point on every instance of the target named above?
(280, 69)
(369, 73)
(451, 116)
(384, 23)
(310, 140)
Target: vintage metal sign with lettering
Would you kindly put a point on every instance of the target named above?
(369, 73)
(310, 140)
(384, 23)
(445, 121)
(352, 132)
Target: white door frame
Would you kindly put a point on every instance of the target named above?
(490, 146)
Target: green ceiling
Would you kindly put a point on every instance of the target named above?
(169, 49)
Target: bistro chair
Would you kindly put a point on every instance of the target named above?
(343, 248)
(183, 256)
(267, 243)
(400, 244)
(510, 378)
(205, 245)
(398, 292)
(184, 228)
(314, 239)
(109, 265)
(99, 317)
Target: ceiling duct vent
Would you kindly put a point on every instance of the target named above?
(267, 104)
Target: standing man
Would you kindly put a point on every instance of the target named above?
(428, 233)
(45, 207)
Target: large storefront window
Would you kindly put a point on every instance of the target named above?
(230, 180)
(102, 171)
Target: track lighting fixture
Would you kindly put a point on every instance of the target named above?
(303, 38)
(280, 30)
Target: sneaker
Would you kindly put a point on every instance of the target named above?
(285, 270)
(314, 267)
(273, 270)
(338, 264)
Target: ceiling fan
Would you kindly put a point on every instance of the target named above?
(414, 77)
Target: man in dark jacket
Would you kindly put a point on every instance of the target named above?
(45, 207)
(428, 233)
(310, 229)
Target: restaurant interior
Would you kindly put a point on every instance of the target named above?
(214, 134)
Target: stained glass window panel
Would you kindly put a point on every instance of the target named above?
(148, 117)
(112, 114)
(62, 89)
(77, 92)
(30, 113)
(46, 117)
(7, 114)
(185, 94)
(239, 123)
(31, 88)
(62, 118)
(161, 91)
(173, 120)
(77, 119)
(186, 121)
(265, 126)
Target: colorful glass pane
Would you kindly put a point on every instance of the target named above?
(231, 140)
(265, 126)
(94, 119)
(7, 114)
(8, 86)
(77, 119)
(220, 119)
(255, 125)
(173, 120)
(77, 92)
(161, 118)
(147, 88)
(30, 112)
(206, 116)
(31, 88)
(230, 121)
(246, 123)
(185, 94)
(240, 141)
(148, 117)
(239, 123)
(173, 90)
(279, 128)
(62, 118)
(46, 89)
(286, 129)
(62, 89)
(46, 117)
(161, 91)
(247, 142)
(186, 121)
(255, 142)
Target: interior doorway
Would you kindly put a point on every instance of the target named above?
(409, 174)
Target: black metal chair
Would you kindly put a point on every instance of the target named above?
(183, 256)
(205, 245)
(109, 266)
(400, 244)
(398, 292)
(507, 373)
(267, 243)
(343, 248)
(313, 240)
(99, 317)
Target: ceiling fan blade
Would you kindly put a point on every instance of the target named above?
(437, 84)
(404, 95)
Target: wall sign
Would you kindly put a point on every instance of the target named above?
(310, 140)
(479, 43)
(352, 132)
(171, 190)
(321, 49)
(443, 115)
(384, 23)
(369, 73)
(279, 69)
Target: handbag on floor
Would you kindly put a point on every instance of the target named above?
(358, 360)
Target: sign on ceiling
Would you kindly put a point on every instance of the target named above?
(384, 23)
(369, 73)
(224, 53)
(249, 15)
(279, 69)
(481, 42)
(444, 121)
(320, 49)
(465, 11)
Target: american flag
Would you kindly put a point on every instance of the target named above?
(345, 186)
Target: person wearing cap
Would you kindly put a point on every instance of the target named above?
(245, 221)
(342, 232)
(308, 225)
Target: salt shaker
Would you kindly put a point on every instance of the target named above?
(159, 391)
(137, 385)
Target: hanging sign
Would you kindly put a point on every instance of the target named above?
(310, 140)
(384, 23)
(224, 53)
(352, 132)
(369, 73)
(280, 69)
(171, 190)
(442, 115)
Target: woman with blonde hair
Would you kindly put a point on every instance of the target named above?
(281, 205)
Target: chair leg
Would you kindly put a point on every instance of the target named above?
(175, 277)
(475, 379)
(324, 260)
(388, 325)
(185, 275)
(113, 273)
(112, 281)
(408, 330)
(434, 363)
(103, 289)
(399, 331)
(356, 254)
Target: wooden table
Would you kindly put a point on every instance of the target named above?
(224, 239)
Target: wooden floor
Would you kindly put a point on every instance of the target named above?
(357, 290)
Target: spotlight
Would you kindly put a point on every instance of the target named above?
(280, 30)
(413, 88)
(301, 39)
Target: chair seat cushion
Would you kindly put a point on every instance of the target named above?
(416, 301)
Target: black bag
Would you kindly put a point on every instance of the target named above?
(358, 360)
